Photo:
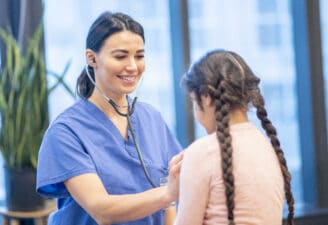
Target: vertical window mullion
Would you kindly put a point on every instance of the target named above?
(308, 61)
(180, 61)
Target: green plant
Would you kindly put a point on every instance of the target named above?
(24, 92)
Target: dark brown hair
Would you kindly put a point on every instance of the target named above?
(232, 85)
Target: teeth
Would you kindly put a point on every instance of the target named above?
(129, 78)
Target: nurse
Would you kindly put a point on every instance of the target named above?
(88, 160)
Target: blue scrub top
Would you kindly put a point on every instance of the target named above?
(83, 140)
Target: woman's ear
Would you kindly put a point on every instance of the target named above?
(90, 58)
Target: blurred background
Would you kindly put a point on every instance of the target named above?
(284, 41)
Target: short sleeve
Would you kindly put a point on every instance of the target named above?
(61, 156)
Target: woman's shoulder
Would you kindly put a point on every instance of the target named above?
(146, 106)
(74, 112)
(75, 119)
(76, 109)
(147, 110)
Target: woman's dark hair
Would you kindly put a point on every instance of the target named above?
(103, 27)
(227, 78)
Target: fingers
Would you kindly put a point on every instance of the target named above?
(176, 159)
(175, 169)
(175, 164)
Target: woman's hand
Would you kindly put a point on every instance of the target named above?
(174, 175)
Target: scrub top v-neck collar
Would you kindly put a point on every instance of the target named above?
(103, 119)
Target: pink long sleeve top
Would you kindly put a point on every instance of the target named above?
(259, 193)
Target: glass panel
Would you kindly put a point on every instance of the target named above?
(64, 44)
(261, 32)
(324, 38)
(267, 6)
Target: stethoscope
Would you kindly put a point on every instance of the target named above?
(127, 115)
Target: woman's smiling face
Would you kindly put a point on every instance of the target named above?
(120, 63)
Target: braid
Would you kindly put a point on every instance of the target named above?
(224, 138)
(232, 85)
(272, 134)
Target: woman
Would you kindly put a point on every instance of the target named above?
(88, 158)
(234, 175)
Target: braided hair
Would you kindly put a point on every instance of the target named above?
(230, 82)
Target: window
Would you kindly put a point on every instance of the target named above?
(267, 6)
(270, 23)
(234, 30)
(269, 35)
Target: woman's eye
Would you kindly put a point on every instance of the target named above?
(120, 56)
(140, 56)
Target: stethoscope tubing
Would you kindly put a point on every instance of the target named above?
(127, 115)
(136, 144)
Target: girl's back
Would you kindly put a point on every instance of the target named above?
(258, 181)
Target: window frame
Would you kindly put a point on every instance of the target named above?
(311, 101)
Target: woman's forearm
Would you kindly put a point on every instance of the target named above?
(122, 208)
(90, 193)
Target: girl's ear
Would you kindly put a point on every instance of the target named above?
(90, 58)
(207, 100)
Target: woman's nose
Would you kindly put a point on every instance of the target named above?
(132, 64)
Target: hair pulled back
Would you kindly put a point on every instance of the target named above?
(103, 27)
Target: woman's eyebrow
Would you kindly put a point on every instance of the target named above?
(126, 51)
